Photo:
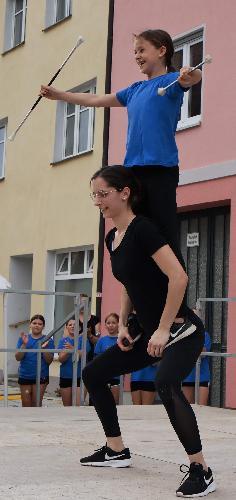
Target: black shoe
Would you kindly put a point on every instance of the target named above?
(106, 457)
(179, 331)
(197, 482)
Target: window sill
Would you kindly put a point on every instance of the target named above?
(191, 122)
(13, 48)
(48, 28)
(64, 160)
(73, 277)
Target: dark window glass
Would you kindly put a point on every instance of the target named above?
(61, 10)
(18, 5)
(70, 126)
(177, 59)
(77, 262)
(194, 103)
(83, 130)
(18, 28)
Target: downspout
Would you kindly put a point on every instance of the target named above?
(105, 155)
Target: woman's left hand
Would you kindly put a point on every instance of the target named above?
(158, 342)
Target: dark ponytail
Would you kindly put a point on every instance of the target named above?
(159, 38)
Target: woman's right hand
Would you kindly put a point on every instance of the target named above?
(50, 92)
(124, 334)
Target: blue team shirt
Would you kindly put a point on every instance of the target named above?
(147, 374)
(103, 344)
(204, 367)
(66, 368)
(28, 365)
(152, 121)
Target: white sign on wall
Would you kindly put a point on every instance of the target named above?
(192, 239)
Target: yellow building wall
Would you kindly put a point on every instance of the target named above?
(44, 206)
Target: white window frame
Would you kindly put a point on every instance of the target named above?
(184, 43)
(67, 275)
(10, 18)
(51, 12)
(3, 124)
(61, 125)
(67, 256)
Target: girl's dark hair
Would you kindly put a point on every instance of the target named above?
(114, 315)
(120, 177)
(38, 316)
(160, 38)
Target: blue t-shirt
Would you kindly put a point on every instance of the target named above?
(103, 344)
(66, 368)
(204, 367)
(152, 121)
(147, 374)
(28, 365)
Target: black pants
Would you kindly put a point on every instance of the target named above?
(175, 364)
(158, 202)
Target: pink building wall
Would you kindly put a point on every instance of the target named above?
(213, 142)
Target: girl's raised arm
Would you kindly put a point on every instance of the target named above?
(84, 99)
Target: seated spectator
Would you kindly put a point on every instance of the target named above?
(66, 368)
(28, 362)
(112, 325)
(142, 386)
(188, 384)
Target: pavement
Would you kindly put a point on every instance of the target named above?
(40, 450)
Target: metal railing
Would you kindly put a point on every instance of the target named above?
(78, 305)
(198, 365)
(210, 354)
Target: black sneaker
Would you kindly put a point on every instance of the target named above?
(197, 482)
(106, 457)
(180, 331)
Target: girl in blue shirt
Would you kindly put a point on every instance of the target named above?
(66, 368)
(112, 326)
(28, 362)
(151, 149)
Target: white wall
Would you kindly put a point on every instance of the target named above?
(18, 306)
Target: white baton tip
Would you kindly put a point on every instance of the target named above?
(11, 137)
(80, 40)
(208, 59)
(161, 91)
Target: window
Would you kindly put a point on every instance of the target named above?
(56, 10)
(73, 273)
(74, 128)
(15, 20)
(3, 127)
(75, 264)
(189, 52)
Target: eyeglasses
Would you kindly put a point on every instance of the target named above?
(102, 194)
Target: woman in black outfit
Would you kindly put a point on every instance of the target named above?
(154, 284)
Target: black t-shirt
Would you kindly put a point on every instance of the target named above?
(134, 267)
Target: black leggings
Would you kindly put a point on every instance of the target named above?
(175, 364)
(158, 203)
